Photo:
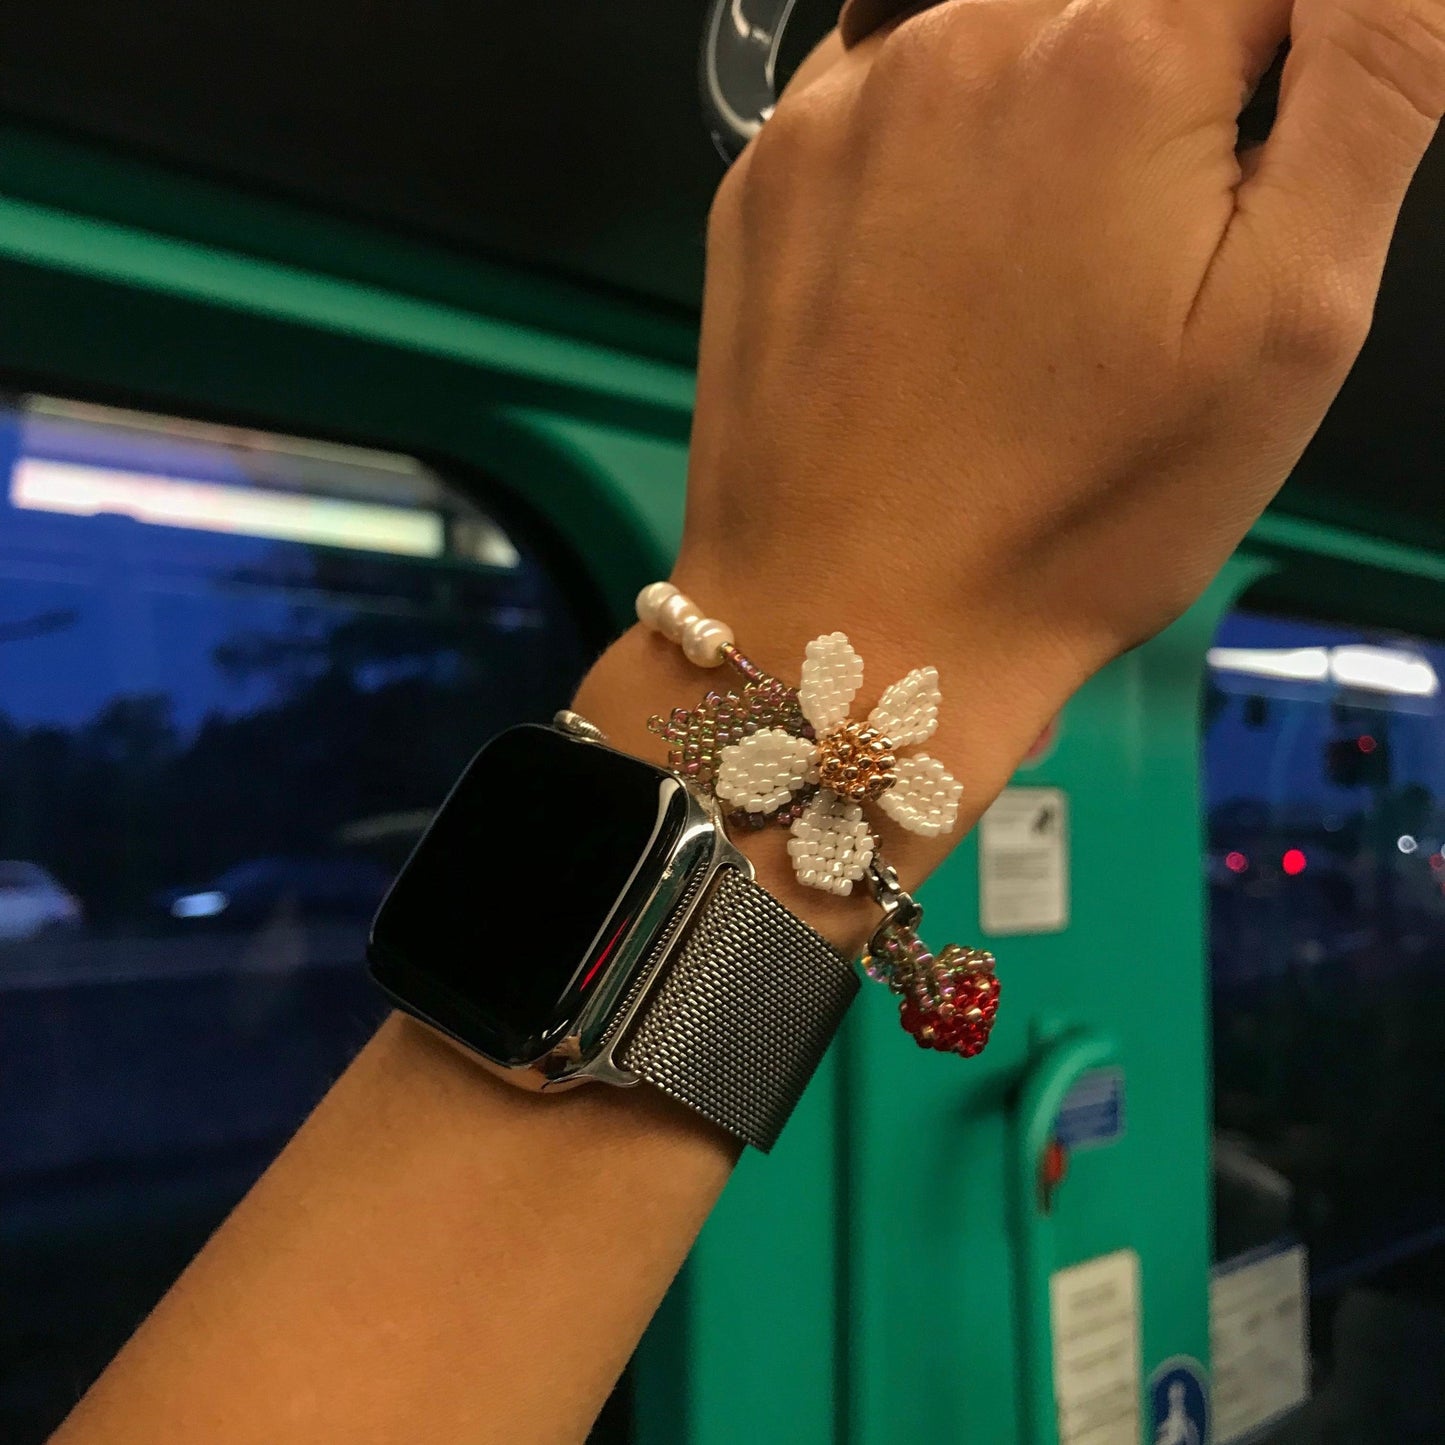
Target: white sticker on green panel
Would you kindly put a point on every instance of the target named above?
(1258, 1321)
(1023, 862)
(1094, 1307)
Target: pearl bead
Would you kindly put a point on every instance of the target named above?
(674, 614)
(704, 640)
(650, 599)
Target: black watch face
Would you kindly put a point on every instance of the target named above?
(502, 923)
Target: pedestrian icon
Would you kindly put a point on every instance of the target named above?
(1177, 1428)
(1180, 1404)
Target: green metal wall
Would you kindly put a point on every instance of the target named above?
(942, 1253)
(883, 1276)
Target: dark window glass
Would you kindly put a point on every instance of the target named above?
(1324, 770)
(237, 674)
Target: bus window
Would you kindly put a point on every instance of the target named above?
(237, 671)
(1324, 769)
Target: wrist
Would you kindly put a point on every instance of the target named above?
(996, 701)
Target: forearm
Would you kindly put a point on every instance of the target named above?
(436, 1256)
(409, 1267)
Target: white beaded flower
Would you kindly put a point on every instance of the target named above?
(852, 763)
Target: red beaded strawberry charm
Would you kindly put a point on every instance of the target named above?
(948, 1002)
(950, 1005)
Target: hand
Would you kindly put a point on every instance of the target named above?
(1004, 348)
(1003, 341)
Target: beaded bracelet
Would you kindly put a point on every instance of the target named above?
(771, 753)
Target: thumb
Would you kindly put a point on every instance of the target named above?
(1362, 94)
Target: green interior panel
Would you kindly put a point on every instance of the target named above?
(952, 1255)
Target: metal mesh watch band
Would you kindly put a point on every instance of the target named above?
(744, 1013)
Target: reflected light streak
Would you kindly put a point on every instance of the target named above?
(74, 489)
(1370, 669)
(1297, 664)
(200, 905)
(1383, 669)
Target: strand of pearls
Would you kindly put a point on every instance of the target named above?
(677, 617)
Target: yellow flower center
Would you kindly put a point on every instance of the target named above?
(856, 762)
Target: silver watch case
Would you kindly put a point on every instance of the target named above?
(590, 1052)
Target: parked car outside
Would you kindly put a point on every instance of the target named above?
(248, 893)
(33, 903)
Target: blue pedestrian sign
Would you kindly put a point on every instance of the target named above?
(1179, 1401)
(1093, 1111)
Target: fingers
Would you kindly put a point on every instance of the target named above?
(1255, 29)
(1362, 94)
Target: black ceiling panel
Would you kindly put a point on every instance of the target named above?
(1381, 450)
(564, 133)
(567, 135)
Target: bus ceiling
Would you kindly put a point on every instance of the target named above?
(576, 146)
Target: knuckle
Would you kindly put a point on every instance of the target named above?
(1320, 327)
(948, 49)
(907, 58)
(1138, 46)
(794, 138)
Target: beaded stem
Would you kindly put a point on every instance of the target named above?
(725, 717)
(749, 671)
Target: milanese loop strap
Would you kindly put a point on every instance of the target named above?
(744, 1014)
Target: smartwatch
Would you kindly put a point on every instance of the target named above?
(574, 914)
